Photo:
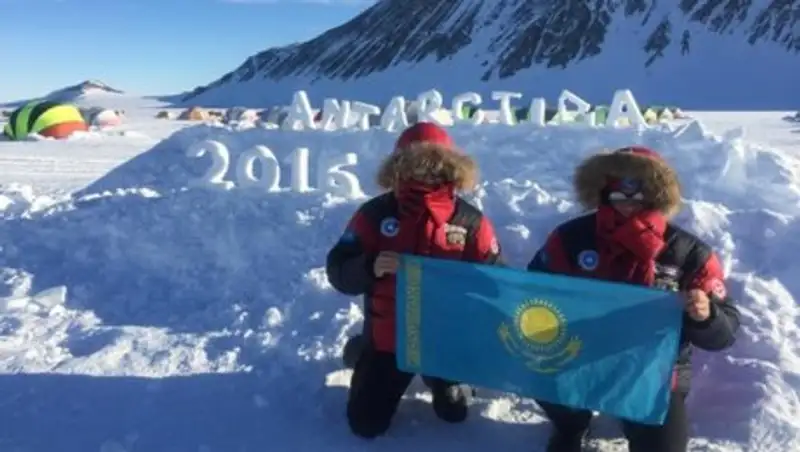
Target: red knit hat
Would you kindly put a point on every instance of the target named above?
(424, 132)
(641, 150)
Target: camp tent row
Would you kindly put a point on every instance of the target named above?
(56, 120)
(193, 114)
(272, 115)
(230, 115)
(59, 120)
(277, 114)
(652, 113)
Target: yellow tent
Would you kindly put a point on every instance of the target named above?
(194, 114)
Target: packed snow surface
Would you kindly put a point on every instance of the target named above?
(139, 313)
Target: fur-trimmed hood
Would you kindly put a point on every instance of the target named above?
(661, 186)
(428, 163)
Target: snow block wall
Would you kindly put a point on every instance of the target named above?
(210, 306)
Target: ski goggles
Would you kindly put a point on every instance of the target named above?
(625, 189)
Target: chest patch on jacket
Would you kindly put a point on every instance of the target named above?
(667, 277)
(455, 235)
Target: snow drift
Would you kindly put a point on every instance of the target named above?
(158, 317)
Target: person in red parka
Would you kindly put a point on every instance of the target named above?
(421, 214)
(633, 193)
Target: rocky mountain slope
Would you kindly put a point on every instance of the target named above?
(505, 38)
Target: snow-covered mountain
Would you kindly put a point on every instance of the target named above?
(696, 53)
(75, 93)
(88, 87)
(95, 94)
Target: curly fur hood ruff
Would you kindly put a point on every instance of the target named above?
(428, 163)
(660, 182)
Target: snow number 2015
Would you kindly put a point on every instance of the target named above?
(331, 177)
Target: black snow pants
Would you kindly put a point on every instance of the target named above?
(377, 386)
(672, 436)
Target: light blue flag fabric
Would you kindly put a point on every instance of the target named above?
(577, 342)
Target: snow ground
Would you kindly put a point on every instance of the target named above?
(138, 315)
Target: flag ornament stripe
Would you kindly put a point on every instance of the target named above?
(413, 317)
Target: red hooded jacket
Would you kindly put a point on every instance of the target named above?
(642, 249)
(413, 218)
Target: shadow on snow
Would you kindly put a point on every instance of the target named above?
(218, 412)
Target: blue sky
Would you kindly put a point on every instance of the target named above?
(147, 46)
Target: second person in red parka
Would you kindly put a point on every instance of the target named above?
(421, 214)
(628, 238)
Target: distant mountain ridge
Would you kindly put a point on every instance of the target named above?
(72, 93)
(506, 38)
(93, 95)
(85, 87)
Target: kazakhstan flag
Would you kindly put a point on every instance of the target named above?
(577, 342)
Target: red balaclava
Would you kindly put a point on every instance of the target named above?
(630, 244)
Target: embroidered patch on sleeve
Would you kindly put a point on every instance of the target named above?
(495, 246)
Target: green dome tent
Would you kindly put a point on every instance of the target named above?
(523, 114)
(468, 111)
